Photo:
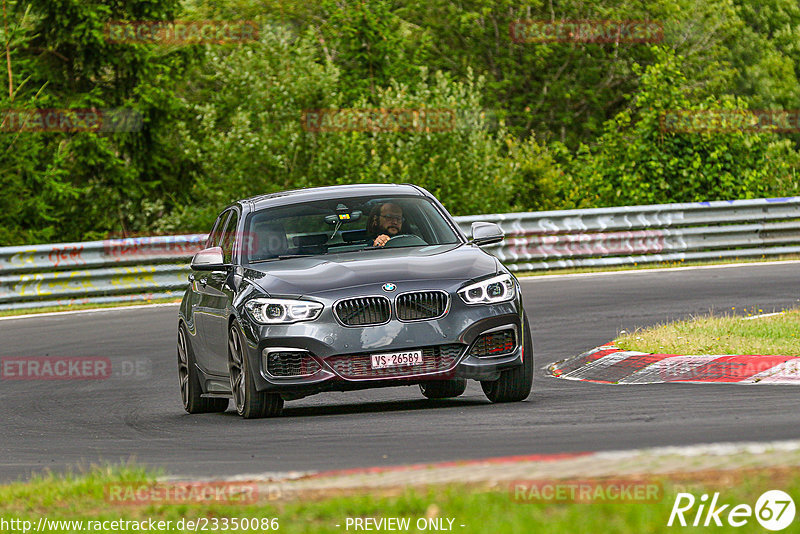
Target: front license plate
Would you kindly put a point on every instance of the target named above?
(396, 359)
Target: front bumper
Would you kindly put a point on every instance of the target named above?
(343, 352)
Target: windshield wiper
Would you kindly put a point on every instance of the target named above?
(372, 247)
(334, 251)
(284, 257)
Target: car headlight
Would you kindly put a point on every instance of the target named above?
(497, 289)
(282, 311)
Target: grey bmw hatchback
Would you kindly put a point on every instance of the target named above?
(343, 288)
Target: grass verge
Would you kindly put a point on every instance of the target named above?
(478, 509)
(728, 334)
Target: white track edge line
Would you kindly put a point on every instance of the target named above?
(658, 270)
(763, 315)
(718, 449)
(90, 310)
(710, 449)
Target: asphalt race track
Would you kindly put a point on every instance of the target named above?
(56, 424)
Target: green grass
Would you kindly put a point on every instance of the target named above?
(50, 309)
(481, 510)
(662, 265)
(729, 334)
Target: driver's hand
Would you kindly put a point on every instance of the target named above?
(380, 240)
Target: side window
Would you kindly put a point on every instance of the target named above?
(213, 237)
(229, 237)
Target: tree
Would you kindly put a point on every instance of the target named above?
(636, 162)
(92, 182)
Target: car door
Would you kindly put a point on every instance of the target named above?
(203, 302)
(219, 299)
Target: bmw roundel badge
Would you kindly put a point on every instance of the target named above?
(388, 286)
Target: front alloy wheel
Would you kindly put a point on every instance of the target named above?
(250, 403)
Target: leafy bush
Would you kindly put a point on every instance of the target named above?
(568, 125)
(635, 162)
(247, 137)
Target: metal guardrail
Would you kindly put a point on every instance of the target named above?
(148, 268)
(630, 235)
(114, 270)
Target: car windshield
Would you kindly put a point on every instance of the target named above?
(339, 225)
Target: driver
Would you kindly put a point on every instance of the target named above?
(385, 222)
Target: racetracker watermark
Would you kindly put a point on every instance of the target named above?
(710, 368)
(147, 246)
(586, 31)
(149, 524)
(730, 121)
(140, 493)
(70, 120)
(586, 491)
(128, 248)
(181, 32)
(73, 368)
(397, 120)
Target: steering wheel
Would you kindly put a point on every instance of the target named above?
(406, 240)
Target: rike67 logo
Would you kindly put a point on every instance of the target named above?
(774, 510)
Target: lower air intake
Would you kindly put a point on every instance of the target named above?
(290, 364)
(494, 344)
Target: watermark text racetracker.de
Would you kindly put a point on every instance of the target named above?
(181, 32)
(70, 120)
(125, 248)
(202, 524)
(703, 121)
(586, 31)
(397, 120)
(17, 368)
(129, 248)
(218, 492)
(585, 491)
(709, 368)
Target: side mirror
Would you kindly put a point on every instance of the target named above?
(209, 259)
(486, 233)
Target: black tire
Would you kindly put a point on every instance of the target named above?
(443, 389)
(250, 403)
(189, 379)
(514, 385)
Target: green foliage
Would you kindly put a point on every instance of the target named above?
(370, 44)
(541, 183)
(243, 122)
(636, 162)
(767, 54)
(249, 138)
(71, 185)
(464, 167)
(539, 125)
(31, 185)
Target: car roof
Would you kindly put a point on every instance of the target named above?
(321, 193)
